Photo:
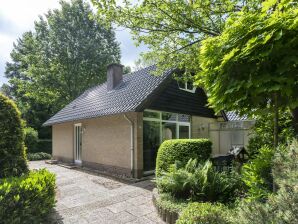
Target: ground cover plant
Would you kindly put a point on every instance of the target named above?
(203, 213)
(200, 182)
(38, 156)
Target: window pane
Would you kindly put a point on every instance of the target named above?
(183, 118)
(168, 131)
(151, 114)
(151, 142)
(183, 131)
(169, 116)
(189, 85)
(181, 84)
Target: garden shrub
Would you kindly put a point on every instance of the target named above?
(170, 203)
(262, 132)
(27, 199)
(12, 150)
(282, 206)
(199, 182)
(181, 150)
(257, 174)
(203, 213)
(43, 145)
(31, 139)
(38, 156)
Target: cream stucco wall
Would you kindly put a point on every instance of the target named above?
(200, 129)
(63, 141)
(106, 142)
(199, 126)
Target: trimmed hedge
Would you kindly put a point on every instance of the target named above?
(38, 156)
(43, 145)
(31, 138)
(203, 213)
(181, 150)
(170, 203)
(27, 199)
(12, 149)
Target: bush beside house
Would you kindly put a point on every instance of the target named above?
(181, 150)
(38, 156)
(203, 213)
(31, 138)
(27, 199)
(282, 206)
(199, 182)
(12, 148)
(36, 145)
(25, 196)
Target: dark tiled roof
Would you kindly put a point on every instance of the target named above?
(97, 101)
(233, 116)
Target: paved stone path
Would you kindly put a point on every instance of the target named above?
(84, 197)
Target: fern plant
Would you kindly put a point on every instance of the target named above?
(199, 182)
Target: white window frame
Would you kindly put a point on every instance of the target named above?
(177, 122)
(193, 90)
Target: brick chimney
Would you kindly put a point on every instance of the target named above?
(114, 75)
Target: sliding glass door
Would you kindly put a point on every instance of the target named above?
(160, 126)
(151, 142)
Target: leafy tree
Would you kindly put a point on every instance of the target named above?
(126, 69)
(141, 63)
(172, 30)
(66, 53)
(262, 132)
(252, 65)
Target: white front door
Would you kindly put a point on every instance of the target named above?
(78, 144)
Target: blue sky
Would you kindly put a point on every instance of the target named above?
(18, 16)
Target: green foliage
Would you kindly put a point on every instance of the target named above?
(203, 213)
(254, 60)
(43, 145)
(181, 150)
(281, 207)
(31, 138)
(257, 174)
(170, 203)
(199, 182)
(172, 30)
(38, 156)
(262, 132)
(12, 150)
(27, 199)
(66, 53)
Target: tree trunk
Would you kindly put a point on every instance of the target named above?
(276, 117)
(295, 120)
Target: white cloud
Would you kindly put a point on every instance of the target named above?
(18, 16)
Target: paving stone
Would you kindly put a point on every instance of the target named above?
(139, 211)
(84, 197)
(75, 220)
(142, 220)
(153, 216)
(119, 207)
(139, 200)
(124, 217)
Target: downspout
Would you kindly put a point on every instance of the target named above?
(131, 145)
